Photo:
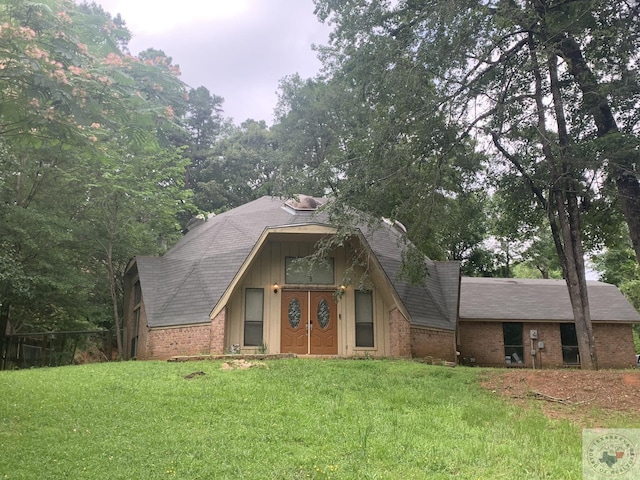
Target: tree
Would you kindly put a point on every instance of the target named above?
(369, 140)
(204, 117)
(513, 73)
(617, 265)
(242, 166)
(131, 205)
(203, 121)
(309, 116)
(80, 121)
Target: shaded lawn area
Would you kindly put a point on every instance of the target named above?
(288, 419)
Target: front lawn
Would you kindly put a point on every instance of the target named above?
(287, 419)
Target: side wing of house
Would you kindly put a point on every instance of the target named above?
(145, 340)
(529, 323)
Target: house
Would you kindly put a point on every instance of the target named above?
(236, 283)
(529, 323)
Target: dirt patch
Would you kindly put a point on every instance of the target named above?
(241, 364)
(571, 394)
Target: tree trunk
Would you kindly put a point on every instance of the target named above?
(621, 162)
(568, 236)
(629, 196)
(569, 220)
(4, 322)
(114, 298)
(562, 207)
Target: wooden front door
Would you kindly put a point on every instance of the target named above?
(308, 323)
(294, 314)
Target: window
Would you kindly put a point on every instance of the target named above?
(253, 314)
(513, 347)
(137, 298)
(299, 271)
(569, 341)
(137, 293)
(134, 334)
(364, 319)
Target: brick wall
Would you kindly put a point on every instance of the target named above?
(614, 344)
(437, 344)
(399, 335)
(160, 344)
(217, 340)
(168, 342)
(481, 341)
(551, 355)
(484, 342)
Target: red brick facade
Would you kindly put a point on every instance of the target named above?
(399, 334)
(483, 343)
(614, 344)
(163, 343)
(216, 345)
(437, 344)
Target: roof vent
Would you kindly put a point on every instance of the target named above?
(399, 226)
(303, 203)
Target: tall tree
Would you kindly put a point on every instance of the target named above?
(531, 76)
(368, 136)
(204, 116)
(309, 114)
(77, 113)
(203, 120)
(242, 166)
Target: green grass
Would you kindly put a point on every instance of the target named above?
(293, 419)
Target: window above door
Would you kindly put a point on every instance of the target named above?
(300, 271)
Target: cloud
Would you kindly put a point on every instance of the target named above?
(238, 49)
(151, 17)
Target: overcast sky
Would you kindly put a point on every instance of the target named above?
(238, 49)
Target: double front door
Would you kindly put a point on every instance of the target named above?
(309, 323)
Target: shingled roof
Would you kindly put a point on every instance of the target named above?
(183, 286)
(539, 300)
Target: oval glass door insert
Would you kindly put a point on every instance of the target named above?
(294, 313)
(323, 313)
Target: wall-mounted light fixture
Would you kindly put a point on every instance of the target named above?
(342, 288)
(275, 287)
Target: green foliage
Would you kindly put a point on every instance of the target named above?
(288, 419)
(87, 178)
(631, 290)
(203, 119)
(618, 265)
(368, 136)
(240, 167)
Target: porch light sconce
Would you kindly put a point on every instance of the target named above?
(275, 288)
(342, 288)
